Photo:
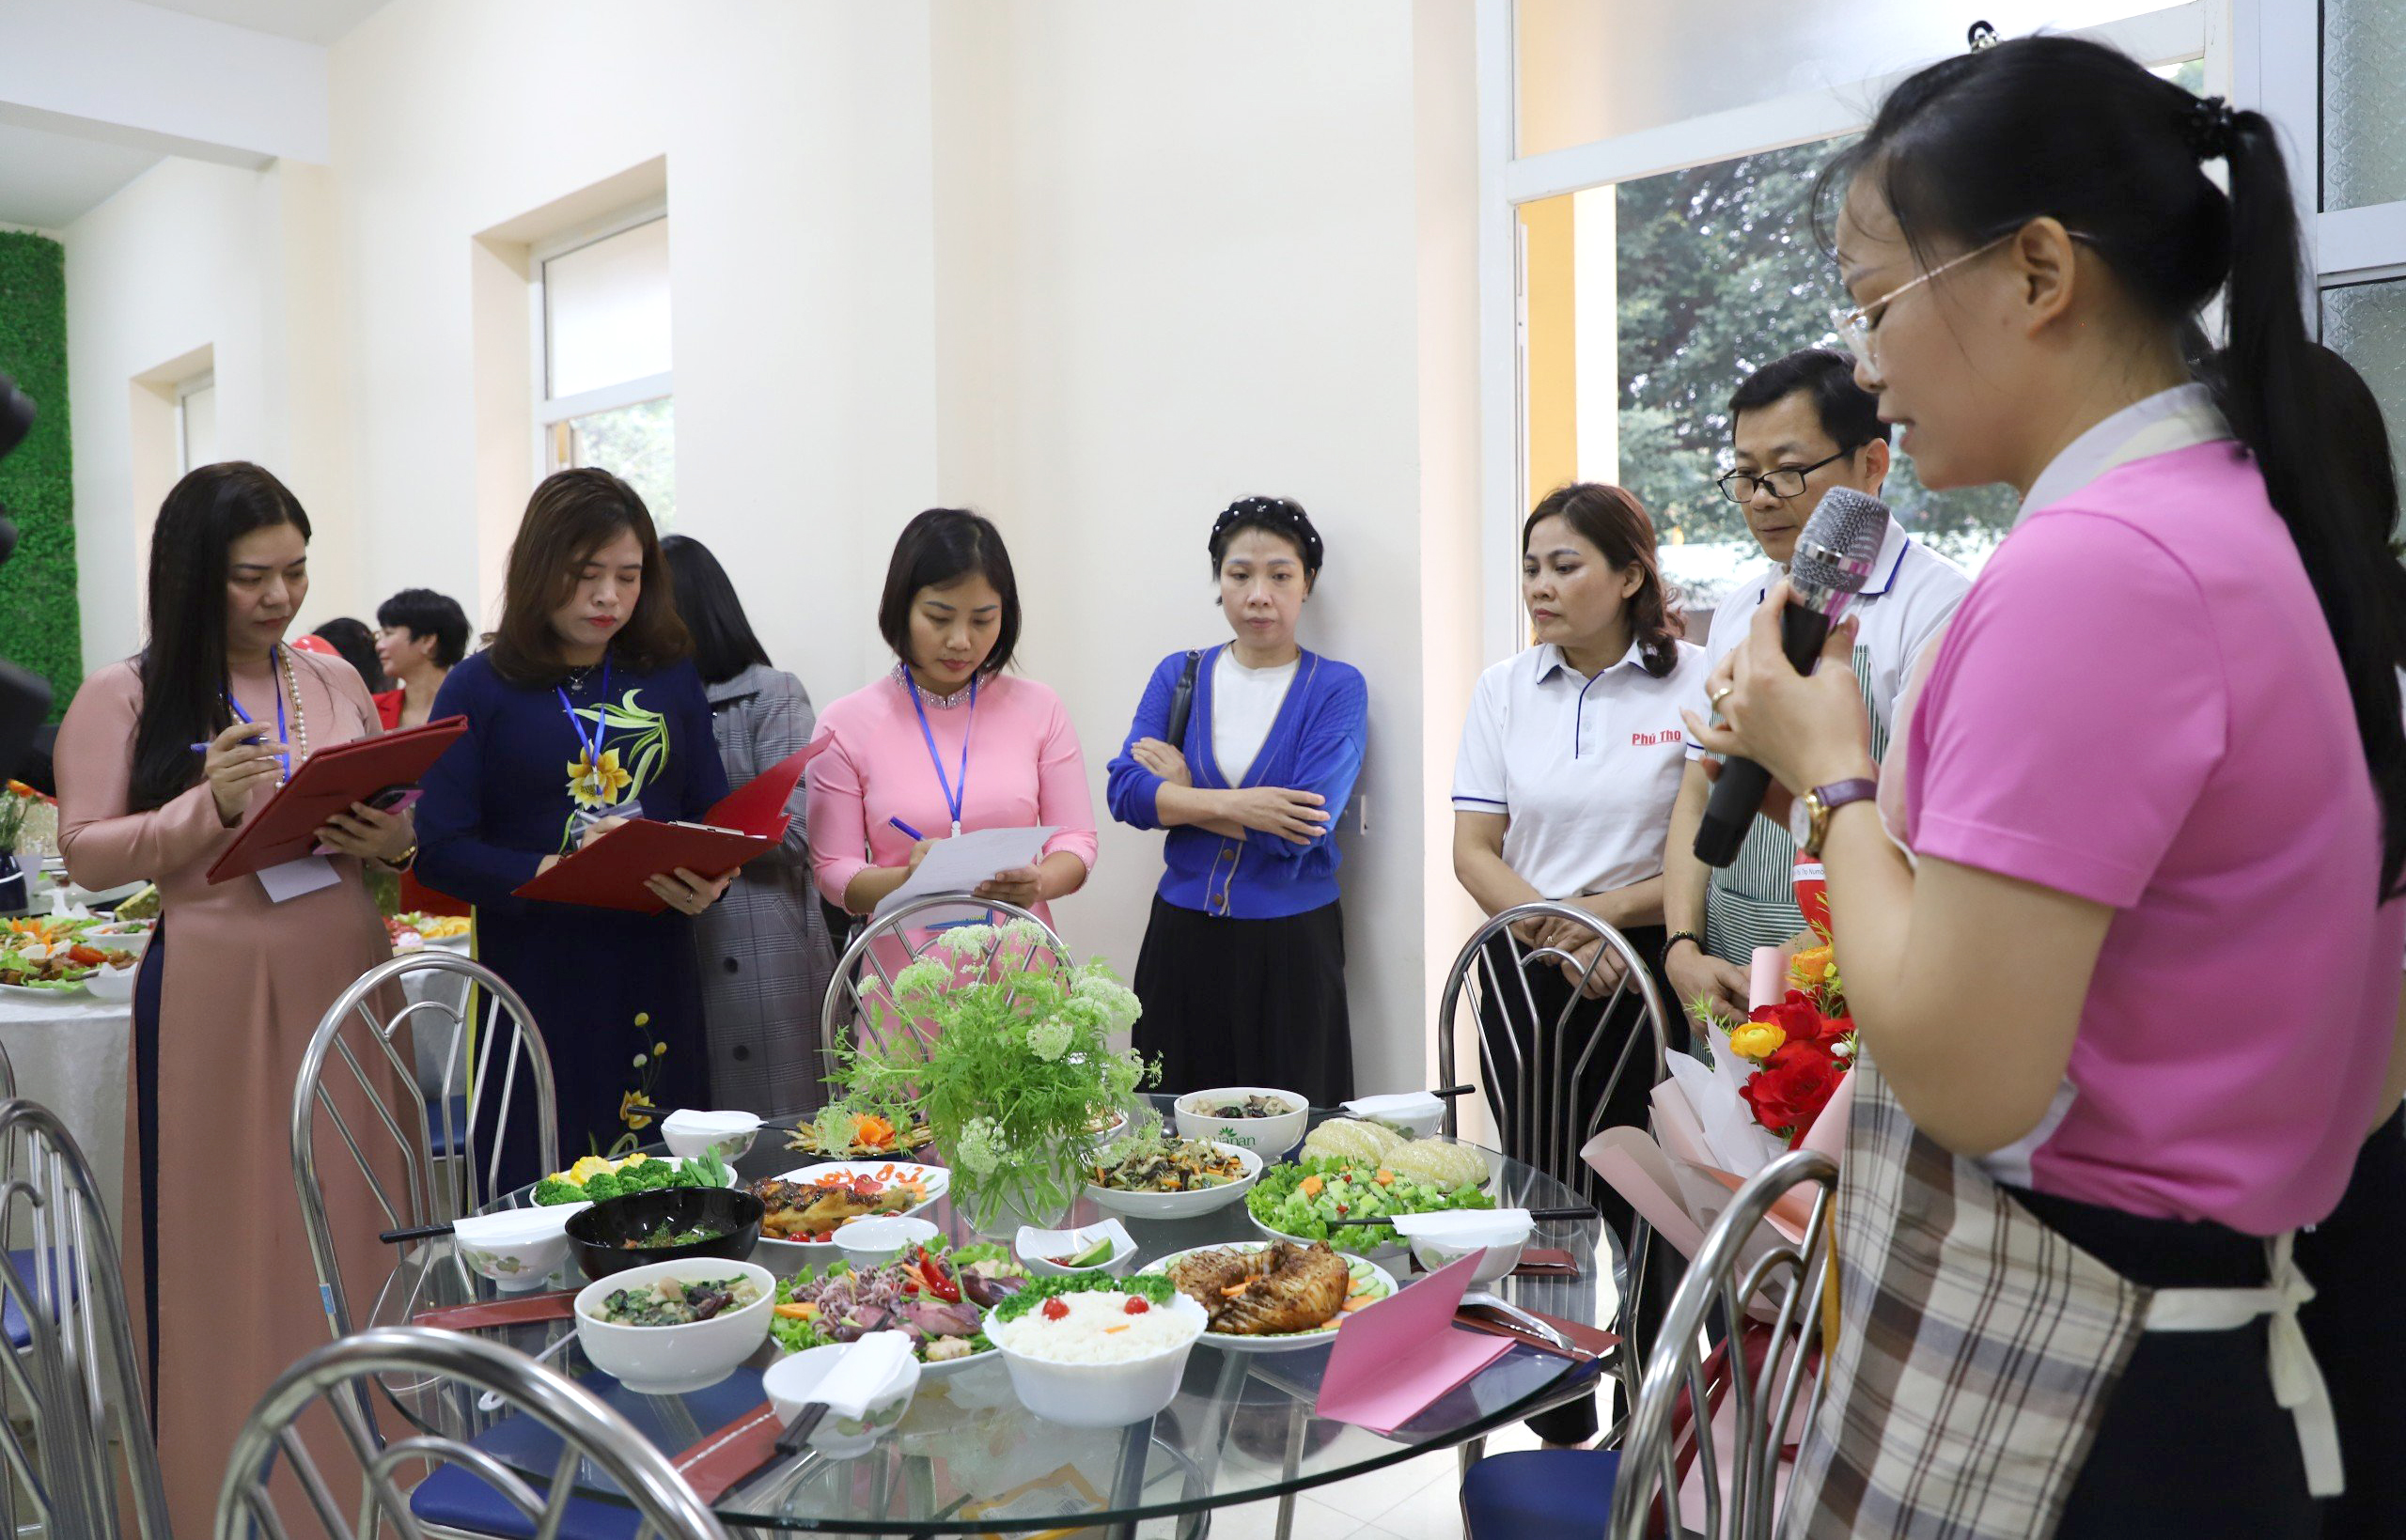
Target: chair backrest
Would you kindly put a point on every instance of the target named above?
(71, 1404)
(339, 1376)
(1549, 1054)
(1773, 1295)
(449, 1141)
(864, 981)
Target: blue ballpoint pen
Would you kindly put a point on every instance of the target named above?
(906, 828)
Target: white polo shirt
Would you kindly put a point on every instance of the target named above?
(1911, 592)
(1586, 770)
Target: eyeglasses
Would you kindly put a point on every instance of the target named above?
(1857, 325)
(1784, 483)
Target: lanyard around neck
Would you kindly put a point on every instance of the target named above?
(275, 682)
(592, 745)
(954, 794)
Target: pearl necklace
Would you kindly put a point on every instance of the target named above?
(300, 745)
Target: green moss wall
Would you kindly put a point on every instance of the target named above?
(38, 626)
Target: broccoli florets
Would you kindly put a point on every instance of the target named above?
(604, 1185)
(555, 1190)
(645, 1175)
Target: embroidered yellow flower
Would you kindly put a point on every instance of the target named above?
(597, 783)
(1757, 1040)
(635, 1109)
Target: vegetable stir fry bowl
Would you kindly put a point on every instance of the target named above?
(1165, 1178)
(665, 1224)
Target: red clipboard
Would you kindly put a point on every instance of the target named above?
(611, 872)
(327, 783)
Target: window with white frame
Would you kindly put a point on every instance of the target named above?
(606, 393)
(2358, 218)
(197, 423)
(1638, 261)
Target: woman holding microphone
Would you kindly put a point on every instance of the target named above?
(2117, 1169)
(162, 759)
(946, 743)
(1243, 972)
(584, 711)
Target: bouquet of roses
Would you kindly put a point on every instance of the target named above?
(1801, 1047)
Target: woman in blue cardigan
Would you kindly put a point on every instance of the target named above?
(1246, 753)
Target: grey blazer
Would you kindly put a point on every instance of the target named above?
(762, 950)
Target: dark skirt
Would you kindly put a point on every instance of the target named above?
(2358, 1336)
(2191, 1442)
(1246, 1001)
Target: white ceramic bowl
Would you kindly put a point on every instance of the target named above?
(1181, 1206)
(112, 984)
(135, 938)
(790, 1381)
(519, 1248)
(675, 1360)
(1269, 1137)
(1105, 1395)
(692, 1145)
(1434, 1254)
(1035, 1248)
(871, 1243)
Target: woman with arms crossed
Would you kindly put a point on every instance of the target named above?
(1243, 972)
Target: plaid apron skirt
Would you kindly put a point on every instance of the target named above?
(1978, 1348)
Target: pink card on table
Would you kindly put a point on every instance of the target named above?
(1394, 1359)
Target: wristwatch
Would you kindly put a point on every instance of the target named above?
(1808, 818)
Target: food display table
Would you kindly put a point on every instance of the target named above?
(969, 1459)
(69, 1053)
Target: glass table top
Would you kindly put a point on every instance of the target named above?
(967, 1458)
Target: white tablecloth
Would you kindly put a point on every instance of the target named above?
(71, 1056)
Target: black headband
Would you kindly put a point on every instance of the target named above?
(1276, 511)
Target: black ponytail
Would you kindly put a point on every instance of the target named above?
(1975, 147)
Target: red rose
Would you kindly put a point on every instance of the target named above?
(1795, 1018)
(1791, 1088)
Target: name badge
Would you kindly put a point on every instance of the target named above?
(295, 877)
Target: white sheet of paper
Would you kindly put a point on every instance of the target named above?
(960, 864)
(295, 877)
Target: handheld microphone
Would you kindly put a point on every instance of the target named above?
(1834, 559)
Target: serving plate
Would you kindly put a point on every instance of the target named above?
(784, 1257)
(1368, 1278)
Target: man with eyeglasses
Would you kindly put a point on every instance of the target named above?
(1798, 426)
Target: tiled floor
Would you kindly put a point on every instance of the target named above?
(1415, 1501)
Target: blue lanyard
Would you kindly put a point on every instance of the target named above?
(275, 681)
(592, 745)
(953, 796)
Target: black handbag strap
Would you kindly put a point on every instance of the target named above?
(1181, 702)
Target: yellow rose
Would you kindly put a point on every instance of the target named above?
(1757, 1040)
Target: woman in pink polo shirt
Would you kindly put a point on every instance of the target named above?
(946, 741)
(2129, 1003)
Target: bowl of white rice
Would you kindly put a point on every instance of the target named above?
(1094, 1362)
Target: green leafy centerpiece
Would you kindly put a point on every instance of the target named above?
(1005, 1054)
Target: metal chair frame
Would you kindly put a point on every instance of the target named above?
(431, 1193)
(77, 1382)
(1763, 1402)
(339, 1375)
(847, 1008)
(1552, 1140)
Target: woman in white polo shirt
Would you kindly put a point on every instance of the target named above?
(1571, 760)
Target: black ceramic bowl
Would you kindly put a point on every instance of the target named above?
(599, 1235)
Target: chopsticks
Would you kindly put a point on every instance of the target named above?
(1452, 1091)
(414, 1232)
(1535, 1214)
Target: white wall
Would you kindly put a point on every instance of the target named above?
(1181, 260)
(193, 258)
(1095, 269)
